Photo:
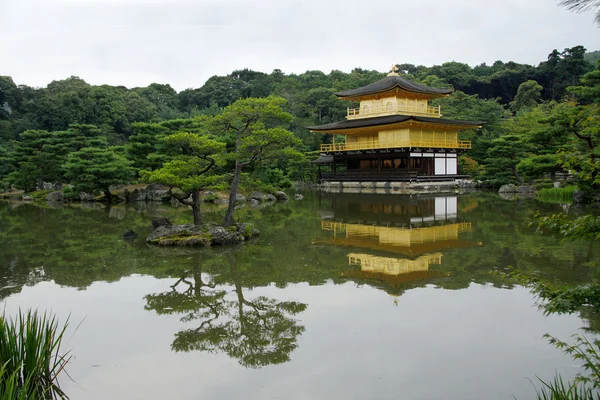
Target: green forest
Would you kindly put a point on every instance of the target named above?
(248, 129)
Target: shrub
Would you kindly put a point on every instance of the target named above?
(69, 193)
(30, 356)
(210, 198)
(584, 386)
(543, 184)
(564, 194)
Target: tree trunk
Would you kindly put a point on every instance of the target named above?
(196, 207)
(228, 220)
(239, 290)
(513, 169)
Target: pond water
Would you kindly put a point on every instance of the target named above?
(343, 296)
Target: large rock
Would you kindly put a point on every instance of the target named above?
(510, 188)
(221, 236)
(271, 198)
(281, 196)
(298, 196)
(123, 195)
(160, 221)
(240, 198)
(179, 235)
(157, 193)
(258, 196)
(138, 194)
(467, 184)
(27, 198)
(129, 234)
(205, 235)
(47, 186)
(55, 197)
(579, 197)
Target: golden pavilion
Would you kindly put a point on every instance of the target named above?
(394, 135)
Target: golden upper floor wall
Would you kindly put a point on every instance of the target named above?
(376, 107)
(399, 138)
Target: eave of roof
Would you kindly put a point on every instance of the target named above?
(390, 120)
(391, 82)
(324, 159)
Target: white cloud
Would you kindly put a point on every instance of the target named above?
(134, 43)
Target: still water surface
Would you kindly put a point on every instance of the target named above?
(342, 297)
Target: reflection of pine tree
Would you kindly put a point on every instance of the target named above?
(200, 300)
(258, 332)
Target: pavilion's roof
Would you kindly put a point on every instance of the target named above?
(391, 82)
(390, 120)
(324, 159)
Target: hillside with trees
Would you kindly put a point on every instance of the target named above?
(540, 120)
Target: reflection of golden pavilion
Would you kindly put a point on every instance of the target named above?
(410, 241)
(402, 237)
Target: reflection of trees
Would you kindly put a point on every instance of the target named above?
(257, 332)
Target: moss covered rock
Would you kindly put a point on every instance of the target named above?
(201, 235)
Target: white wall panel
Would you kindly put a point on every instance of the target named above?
(440, 166)
(451, 166)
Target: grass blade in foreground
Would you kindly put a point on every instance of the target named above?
(30, 356)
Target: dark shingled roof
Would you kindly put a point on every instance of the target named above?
(389, 120)
(391, 82)
(323, 159)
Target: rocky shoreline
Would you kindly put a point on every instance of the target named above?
(142, 193)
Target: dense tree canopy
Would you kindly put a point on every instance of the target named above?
(539, 119)
(191, 170)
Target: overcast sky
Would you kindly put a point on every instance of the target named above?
(184, 42)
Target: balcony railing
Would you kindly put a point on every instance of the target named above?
(410, 143)
(354, 113)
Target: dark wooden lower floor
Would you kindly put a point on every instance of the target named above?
(390, 166)
(386, 176)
